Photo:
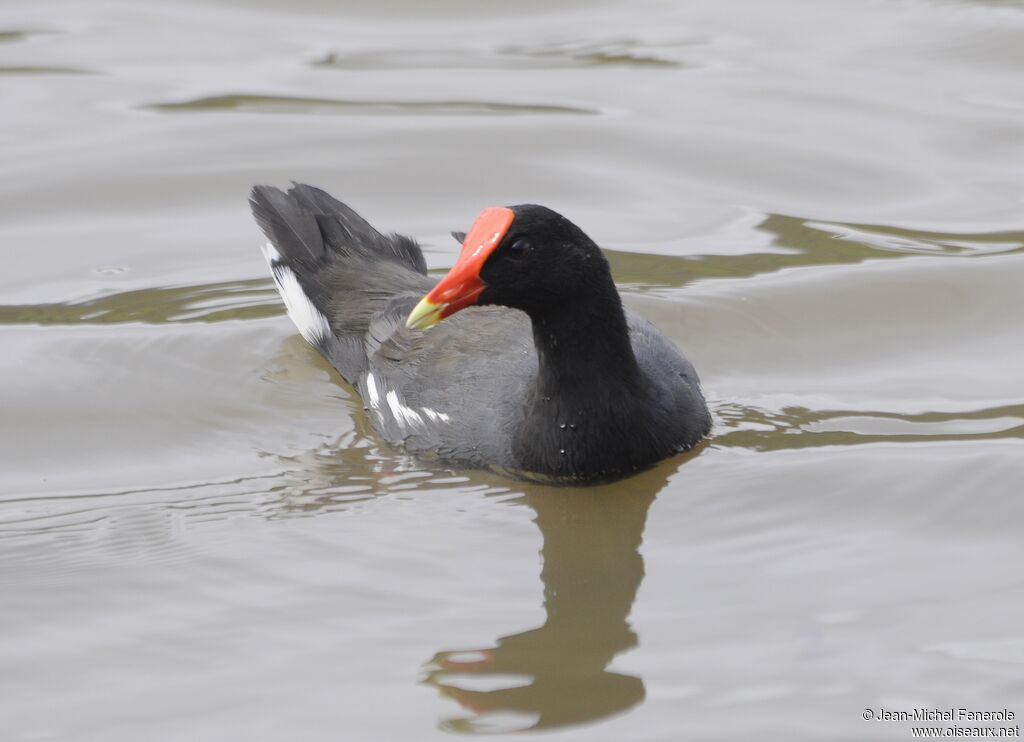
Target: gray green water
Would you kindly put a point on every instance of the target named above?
(821, 202)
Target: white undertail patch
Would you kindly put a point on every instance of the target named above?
(310, 321)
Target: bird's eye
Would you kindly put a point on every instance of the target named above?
(520, 248)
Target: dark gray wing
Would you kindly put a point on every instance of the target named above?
(455, 389)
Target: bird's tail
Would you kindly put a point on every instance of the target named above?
(334, 271)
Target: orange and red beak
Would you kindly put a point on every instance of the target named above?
(463, 285)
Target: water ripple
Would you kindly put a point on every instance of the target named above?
(608, 53)
(287, 104)
(19, 34)
(212, 302)
(806, 242)
(744, 426)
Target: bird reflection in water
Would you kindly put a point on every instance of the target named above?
(554, 675)
(557, 674)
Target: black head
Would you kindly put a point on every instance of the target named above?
(526, 257)
(543, 261)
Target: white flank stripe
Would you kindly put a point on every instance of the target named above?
(371, 391)
(311, 322)
(435, 415)
(404, 416)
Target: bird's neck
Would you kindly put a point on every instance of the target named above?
(583, 347)
(588, 395)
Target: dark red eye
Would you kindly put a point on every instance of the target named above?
(520, 248)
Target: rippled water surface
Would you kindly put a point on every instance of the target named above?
(822, 203)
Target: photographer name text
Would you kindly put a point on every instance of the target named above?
(933, 714)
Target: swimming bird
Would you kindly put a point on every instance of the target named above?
(521, 359)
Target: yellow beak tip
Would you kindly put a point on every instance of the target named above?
(425, 314)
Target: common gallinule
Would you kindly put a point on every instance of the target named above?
(537, 368)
